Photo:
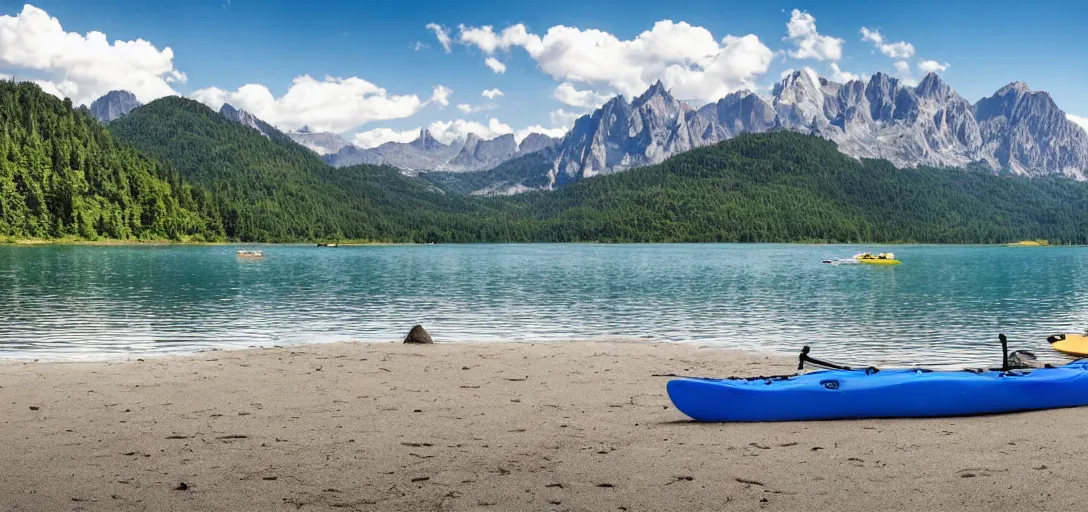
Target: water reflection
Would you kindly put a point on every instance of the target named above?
(943, 305)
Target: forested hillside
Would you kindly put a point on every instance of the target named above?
(176, 169)
(784, 186)
(272, 189)
(63, 175)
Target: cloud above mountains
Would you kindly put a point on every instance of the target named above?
(687, 58)
(1081, 121)
(333, 104)
(83, 67)
(810, 44)
(589, 66)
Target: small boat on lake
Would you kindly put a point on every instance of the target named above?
(327, 244)
(1030, 243)
(884, 258)
(242, 253)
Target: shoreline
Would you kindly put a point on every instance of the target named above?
(49, 358)
(489, 426)
(169, 243)
(137, 243)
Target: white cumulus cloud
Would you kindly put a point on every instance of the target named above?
(873, 36)
(838, 75)
(810, 43)
(897, 50)
(442, 34)
(551, 132)
(902, 66)
(686, 58)
(567, 93)
(487, 40)
(83, 67)
(378, 136)
(564, 119)
(441, 95)
(334, 104)
(491, 93)
(448, 131)
(1080, 120)
(932, 66)
(469, 109)
(495, 65)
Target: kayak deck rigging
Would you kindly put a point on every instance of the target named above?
(842, 392)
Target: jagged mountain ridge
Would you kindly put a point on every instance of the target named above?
(426, 153)
(113, 104)
(1016, 130)
(245, 118)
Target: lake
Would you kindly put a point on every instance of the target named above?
(945, 305)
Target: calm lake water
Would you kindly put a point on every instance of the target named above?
(943, 305)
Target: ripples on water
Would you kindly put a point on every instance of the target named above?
(942, 306)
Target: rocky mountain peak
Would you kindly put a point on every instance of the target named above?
(932, 86)
(113, 104)
(426, 142)
(657, 90)
(928, 124)
(242, 117)
(1014, 88)
(480, 153)
(535, 142)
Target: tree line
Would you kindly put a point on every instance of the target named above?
(175, 169)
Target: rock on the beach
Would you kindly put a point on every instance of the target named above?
(418, 335)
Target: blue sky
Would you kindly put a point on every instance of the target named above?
(389, 73)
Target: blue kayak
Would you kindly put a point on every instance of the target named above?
(889, 393)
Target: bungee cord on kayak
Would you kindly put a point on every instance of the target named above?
(842, 392)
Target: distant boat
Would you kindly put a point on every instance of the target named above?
(1030, 243)
(884, 258)
(250, 254)
(327, 244)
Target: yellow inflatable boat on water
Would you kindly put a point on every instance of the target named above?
(884, 258)
(1072, 344)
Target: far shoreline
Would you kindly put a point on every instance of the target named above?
(316, 244)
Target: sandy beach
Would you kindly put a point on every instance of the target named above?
(557, 426)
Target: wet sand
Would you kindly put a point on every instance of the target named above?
(510, 427)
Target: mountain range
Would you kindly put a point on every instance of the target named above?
(1016, 130)
(426, 153)
(176, 169)
(322, 143)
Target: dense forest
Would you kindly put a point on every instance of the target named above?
(785, 186)
(270, 189)
(175, 169)
(62, 176)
